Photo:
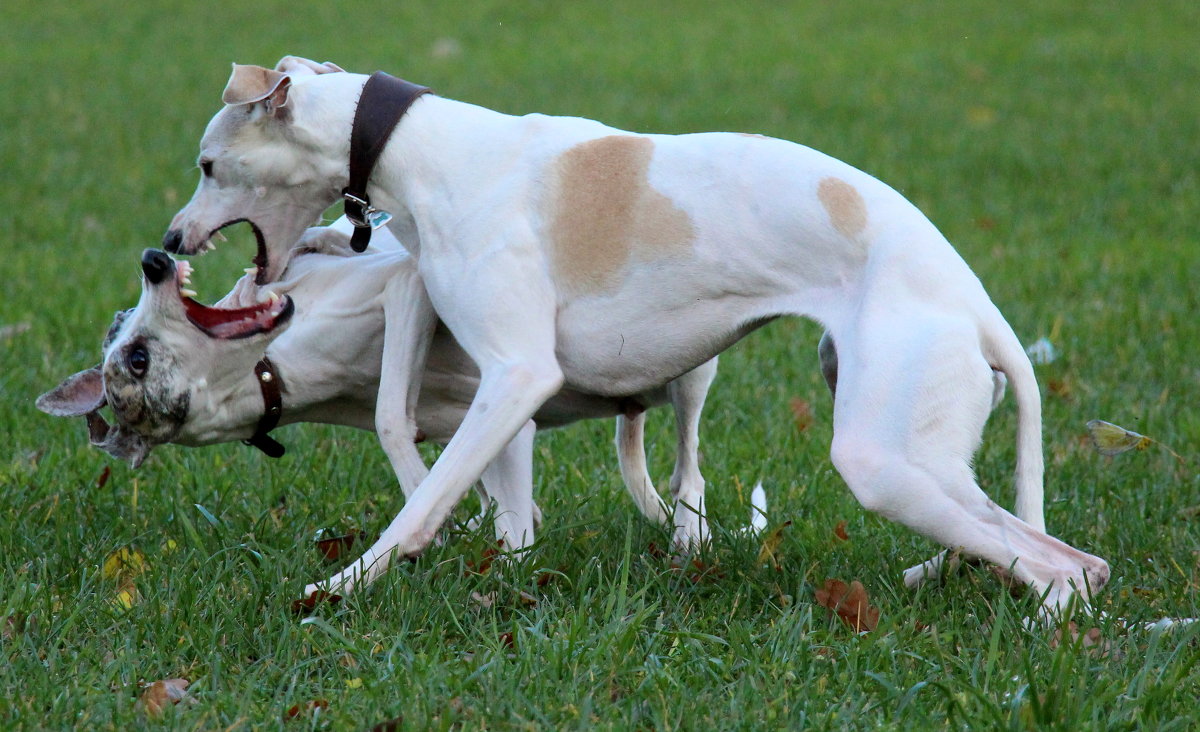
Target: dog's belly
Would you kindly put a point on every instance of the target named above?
(630, 347)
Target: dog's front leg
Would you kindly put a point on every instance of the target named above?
(508, 483)
(409, 322)
(509, 332)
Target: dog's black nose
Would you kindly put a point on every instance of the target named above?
(156, 265)
(172, 240)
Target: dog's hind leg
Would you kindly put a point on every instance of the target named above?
(688, 393)
(913, 395)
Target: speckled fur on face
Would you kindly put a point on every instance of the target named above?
(154, 406)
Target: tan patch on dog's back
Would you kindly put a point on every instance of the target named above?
(845, 205)
(603, 213)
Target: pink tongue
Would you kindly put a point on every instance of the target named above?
(238, 322)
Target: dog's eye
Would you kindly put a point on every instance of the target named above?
(138, 361)
(206, 168)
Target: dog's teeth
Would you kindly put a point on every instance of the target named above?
(251, 270)
(209, 246)
(219, 236)
(187, 293)
(274, 296)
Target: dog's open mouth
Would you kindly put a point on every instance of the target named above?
(232, 323)
(260, 256)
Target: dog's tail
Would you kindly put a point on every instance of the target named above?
(1004, 352)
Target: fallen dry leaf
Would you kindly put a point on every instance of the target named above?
(103, 479)
(162, 694)
(14, 625)
(123, 566)
(840, 531)
(771, 544)
(507, 640)
(389, 726)
(1061, 388)
(310, 603)
(1110, 439)
(484, 601)
(485, 561)
(850, 604)
(305, 709)
(802, 413)
(333, 547)
(125, 563)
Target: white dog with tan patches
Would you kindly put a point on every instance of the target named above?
(560, 251)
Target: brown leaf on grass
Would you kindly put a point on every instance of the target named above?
(333, 547)
(850, 604)
(840, 531)
(162, 694)
(771, 544)
(15, 624)
(696, 570)
(389, 726)
(1091, 641)
(102, 480)
(485, 561)
(307, 708)
(802, 413)
(308, 604)
(655, 551)
(507, 640)
(484, 601)
(1060, 388)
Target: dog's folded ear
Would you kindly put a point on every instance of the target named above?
(296, 66)
(252, 84)
(78, 395)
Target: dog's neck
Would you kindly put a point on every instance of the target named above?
(432, 140)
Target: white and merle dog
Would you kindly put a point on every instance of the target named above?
(561, 252)
(176, 371)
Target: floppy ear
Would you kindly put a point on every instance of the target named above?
(251, 84)
(78, 395)
(296, 66)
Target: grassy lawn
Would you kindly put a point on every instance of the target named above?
(1056, 144)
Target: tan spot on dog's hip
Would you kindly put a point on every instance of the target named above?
(603, 213)
(844, 204)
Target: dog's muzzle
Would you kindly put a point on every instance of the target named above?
(156, 265)
(173, 240)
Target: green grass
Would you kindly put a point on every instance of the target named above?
(1057, 144)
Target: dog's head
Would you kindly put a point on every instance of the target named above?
(265, 159)
(159, 360)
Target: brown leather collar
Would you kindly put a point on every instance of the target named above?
(383, 101)
(272, 393)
